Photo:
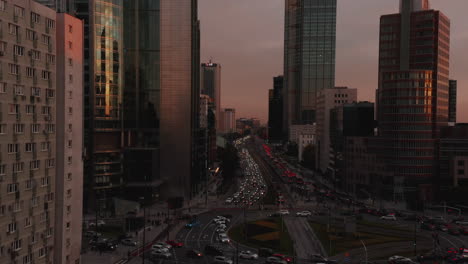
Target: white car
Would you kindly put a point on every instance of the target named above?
(248, 255)
(159, 250)
(283, 212)
(222, 226)
(220, 230)
(161, 246)
(304, 213)
(223, 238)
(222, 260)
(388, 217)
(229, 200)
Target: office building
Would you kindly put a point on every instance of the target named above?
(309, 58)
(69, 144)
(34, 46)
(61, 6)
(211, 86)
(452, 101)
(228, 120)
(275, 110)
(453, 156)
(412, 96)
(296, 130)
(326, 101)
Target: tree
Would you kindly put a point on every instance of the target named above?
(308, 157)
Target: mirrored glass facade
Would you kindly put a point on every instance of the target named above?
(309, 66)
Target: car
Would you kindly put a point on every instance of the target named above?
(222, 260)
(388, 217)
(175, 243)
(229, 200)
(161, 254)
(192, 223)
(213, 250)
(223, 226)
(106, 246)
(317, 258)
(283, 257)
(193, 253)
(275, 260)
(223, 238)
(160, 246)
(265, 252)
(283, 212)
(428, 226)
(304, 213)
(159, 250)
(248, 255)
(220, 230)
(99, 223)
(442, 228)
(400, 260)
(128, 242)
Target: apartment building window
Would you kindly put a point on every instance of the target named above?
(30, 109)
(69, 193)
(13, 29)
(44, 181)
(2, 210)
(35, 201)
(70, 62)
(3, 169)
(11, 227)
(42, 252)
(18, 11)
(49, 232)
(3, 87)
(18, 167)
(50, 128)
(13, 148)
(70, 29)
(35, 91)
(70, 126)
(27, 222)
(18, 128)
(35, 164)
(33, 238)
(18, 89)
(16, 245)
(14, 108)
(28, 259)
(14, 68)
(68, 209)
(70, 110)
(50, 58)
(29, 184)
(3, 44)
(70, 143)
(70, 94)
(45, 75)
(45, 39)
(31, 34)
(35, 128)
(18, 50)
(49, 197)
(35, 18)
(17, 206)
(12, 188)
(30, 147)
(44, 216)
(30, 72)
(68, 225)
(70, 45)
(2, 8)
(36, 55)
(50, 23)
(70, 160)
(3, 128)
(50, 163)
(50, 93)
(46, 110)
(70, 78)
(45, 146)
(69, 176)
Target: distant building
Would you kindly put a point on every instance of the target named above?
(244, 124)
(304, 141)
(326, 101)
(211, 86)
(452, 101)
(453, 157)
(412, 96)
(296, 130)
(228, 120)
(204, 104)
(275, 111)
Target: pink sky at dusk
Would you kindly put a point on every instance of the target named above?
(246, 38)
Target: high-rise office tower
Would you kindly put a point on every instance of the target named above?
(309, 57)
(275, 110)
(211, 86)
(32, 132)
(412, 95)
(62, 6)
(452, 101)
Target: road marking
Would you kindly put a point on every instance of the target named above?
(201, 233)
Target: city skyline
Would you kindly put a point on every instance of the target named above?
(258, 56)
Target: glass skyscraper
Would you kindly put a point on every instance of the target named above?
(309, 57)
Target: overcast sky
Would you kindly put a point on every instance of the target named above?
(246, 38)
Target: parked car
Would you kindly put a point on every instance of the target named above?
(222, 260)
(304, 213)
(275, 260)
(248, 255)
(388, 217)
(283, 257)
(175, 243)
(283, 212)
